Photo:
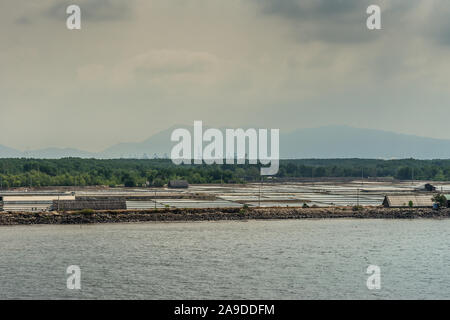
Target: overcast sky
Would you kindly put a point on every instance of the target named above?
(141, 66)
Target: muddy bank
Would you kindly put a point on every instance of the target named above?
(216, 215)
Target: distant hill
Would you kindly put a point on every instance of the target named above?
(157, 145)
(349, 142)
(57, 153)
(47, 153)
(6, 152)
(322, 142)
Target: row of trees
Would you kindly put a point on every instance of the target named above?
(127, 172)
(407, 169)
(157, 172)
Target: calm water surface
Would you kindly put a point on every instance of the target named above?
(300, 259)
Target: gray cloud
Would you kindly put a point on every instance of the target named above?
(343, 21)
(323, 20)
(23, 21)
(94, 10)
(314, 9)
(143, 65)
(439, 30)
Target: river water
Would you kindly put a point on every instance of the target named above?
(299, 259)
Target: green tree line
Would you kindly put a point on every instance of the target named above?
(157, 172)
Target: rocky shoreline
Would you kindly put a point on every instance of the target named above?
(168, 215)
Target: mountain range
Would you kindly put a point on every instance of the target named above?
(321, 142)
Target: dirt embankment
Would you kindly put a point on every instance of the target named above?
(216, 215)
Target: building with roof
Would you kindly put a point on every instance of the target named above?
(403, 201)
(178, 184)
(426, 187)
(78, 204)
(31, 203)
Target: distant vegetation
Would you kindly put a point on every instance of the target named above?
(131, 173)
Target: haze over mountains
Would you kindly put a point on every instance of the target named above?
(322, 142)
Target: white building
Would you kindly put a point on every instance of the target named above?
(31, 203)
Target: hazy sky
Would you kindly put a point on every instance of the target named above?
(141, 66)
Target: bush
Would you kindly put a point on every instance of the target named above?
(357, 208)
(441, 200)
(130, 183)
(158, 182)
(305, 205)
(244, 209)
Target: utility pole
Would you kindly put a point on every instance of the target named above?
(4, 173)
(259, 198)
(362, 176)
(357, 197)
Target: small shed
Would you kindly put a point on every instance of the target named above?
(178, 184)
(426, 187)
(402, 201)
